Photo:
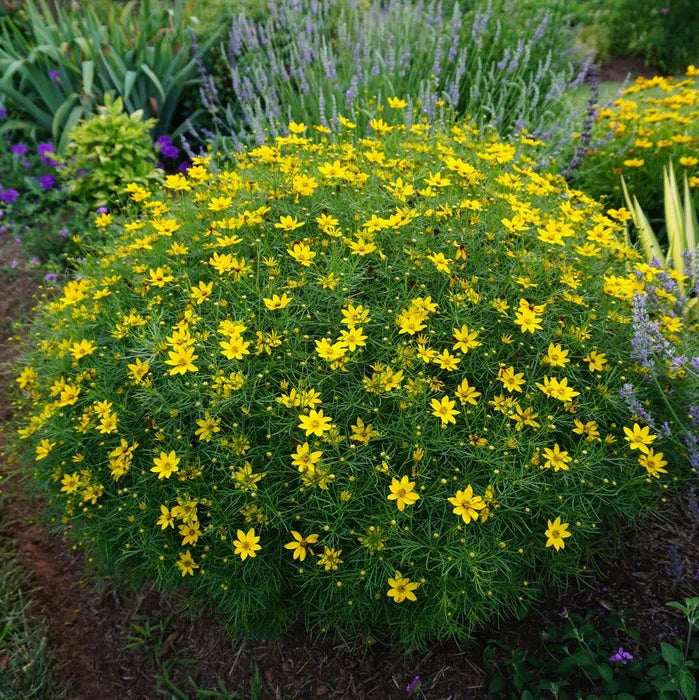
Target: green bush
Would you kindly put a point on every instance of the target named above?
(664, 34)
(107, 152)
(374, 385)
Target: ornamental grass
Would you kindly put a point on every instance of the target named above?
(373, 385)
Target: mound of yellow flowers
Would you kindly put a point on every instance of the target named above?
(370, 383)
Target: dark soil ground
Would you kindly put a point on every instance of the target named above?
(108, 642)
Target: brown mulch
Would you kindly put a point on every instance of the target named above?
(101, 654)
(619, 69)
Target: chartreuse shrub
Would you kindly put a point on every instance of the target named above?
(108, 151)
(373, 385)
(655, 120)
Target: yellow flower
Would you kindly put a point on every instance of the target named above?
(634, 162)
(300, 545)
(246, 544)
(556, 458)
(556, 533)
(446, 360)
(82, 349)
(305, 460)
(688, 161)
(556, 356)
(510, 380)
(186, 564)
(43, 449)
(402, 492)
(138, 370)
(396, 103)
(597, 361)
(207, 427)
(70, 483)
(558, 389)
(353, 338)
(639, 438)
(166, 519)
(653, 462)
(465, 339)
(330, 559)
(277, 302)
(302, 254)
(466, 393)
(235, 348)
(166, 465)
(201, 293)
(444, 410)
(401, 588)
(315, 423)
(190, 532)
(362, 432)
(466, 504)
(182, 360)
(288, 223)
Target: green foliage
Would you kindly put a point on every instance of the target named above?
(680, 224)
(373, 385)
(505, 63)
(586, 654)
(57, 66)
(664, 34)
(108, 151)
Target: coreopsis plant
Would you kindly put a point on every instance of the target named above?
(372, 384)
(653, 121)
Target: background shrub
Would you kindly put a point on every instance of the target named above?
(664, 34)
(108, 151)
(371, 385)
(503, 62)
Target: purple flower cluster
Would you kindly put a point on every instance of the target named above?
(169, 152)
(621, 655)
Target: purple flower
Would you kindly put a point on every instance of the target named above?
(14, 265)
(164, 145)
(44, 150)
(3, 112)
(47, 182)
(64, 233)
(19, 149)
(34, 261)
(664, 10)
(9, 195)
(183, 167)
(621, 655)
(412, 685)
(51, 277)
(102, 210)
(54, 76)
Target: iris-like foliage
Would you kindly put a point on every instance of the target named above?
(373, 384)
(56, 65)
